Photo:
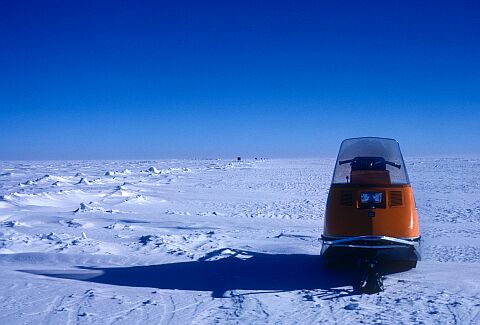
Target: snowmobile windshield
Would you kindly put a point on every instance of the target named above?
(370, 161)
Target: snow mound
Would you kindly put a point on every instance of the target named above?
(11, 223)
(44, 177)
(83, 207)
(118, 226)
(116, 172)
(50, 236)
(153, 170)
(85, 181)
(90, 208)
(27, 183)
(41, 199)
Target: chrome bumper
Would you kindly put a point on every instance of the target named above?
(372, 242)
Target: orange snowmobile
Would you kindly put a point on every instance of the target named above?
(371, 216)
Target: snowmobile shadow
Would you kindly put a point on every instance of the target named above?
(224, 270)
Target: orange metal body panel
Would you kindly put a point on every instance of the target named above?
(398, 221)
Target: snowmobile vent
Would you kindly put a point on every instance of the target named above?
(346, 198)
(395, 198)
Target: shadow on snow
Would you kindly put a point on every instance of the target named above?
(220, 272)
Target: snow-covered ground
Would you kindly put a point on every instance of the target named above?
(214, 241)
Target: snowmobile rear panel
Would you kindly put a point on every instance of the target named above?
(394, 216)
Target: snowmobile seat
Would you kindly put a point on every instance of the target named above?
(379, 177)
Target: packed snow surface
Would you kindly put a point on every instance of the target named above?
(214, 241)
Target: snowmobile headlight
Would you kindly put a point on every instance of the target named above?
(371, 198)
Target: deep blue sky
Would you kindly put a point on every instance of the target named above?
(168, 79)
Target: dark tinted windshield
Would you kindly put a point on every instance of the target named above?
(370, 161)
